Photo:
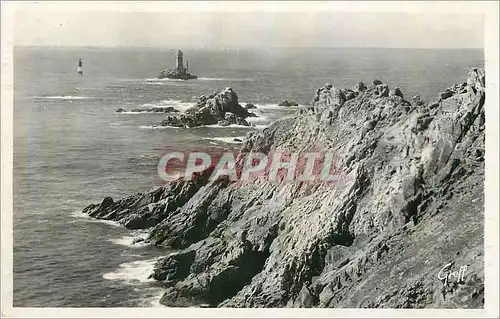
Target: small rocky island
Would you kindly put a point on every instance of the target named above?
(180, 72)
(220, 108)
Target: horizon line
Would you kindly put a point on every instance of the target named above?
(241, 48)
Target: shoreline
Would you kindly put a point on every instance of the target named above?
(265, 245)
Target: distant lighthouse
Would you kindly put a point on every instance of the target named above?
(79, 70)
(180, 72)
(180, 63)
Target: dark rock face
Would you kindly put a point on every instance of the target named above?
(249, 106)
(411, 202)
(212, 109)
(231, 119)
(288, 103)
(166, 109)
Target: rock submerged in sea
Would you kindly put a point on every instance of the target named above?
(166, 109)
(409, 173)
(288, 103)
(249, 106)
(221, 108)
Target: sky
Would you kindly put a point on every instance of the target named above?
(248, 30)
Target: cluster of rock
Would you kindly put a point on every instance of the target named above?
(221, 108)
(166, 109)
(411, 203)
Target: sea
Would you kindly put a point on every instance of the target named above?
(71, 147)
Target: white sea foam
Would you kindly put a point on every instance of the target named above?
(130, 112)
(160, 81)
(157, 127)
(178, 105)
(84, 217)
(64, 97)
(135, 272)
(260, 126)
(225, 139)
(259, 119)
(128, 241)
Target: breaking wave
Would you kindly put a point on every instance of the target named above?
(177, 104)
(136, 273)
(84, 217)
(130, 241)
(157, 127)
(226, 139)
(64, 97)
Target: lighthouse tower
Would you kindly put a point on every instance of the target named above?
(79, 70)
(180, 63)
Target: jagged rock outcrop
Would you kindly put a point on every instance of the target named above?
(360, 87)
(288, 103)
(410, 201)
(232, 119)
(210, 110)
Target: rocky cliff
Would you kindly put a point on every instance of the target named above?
(410, 204)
